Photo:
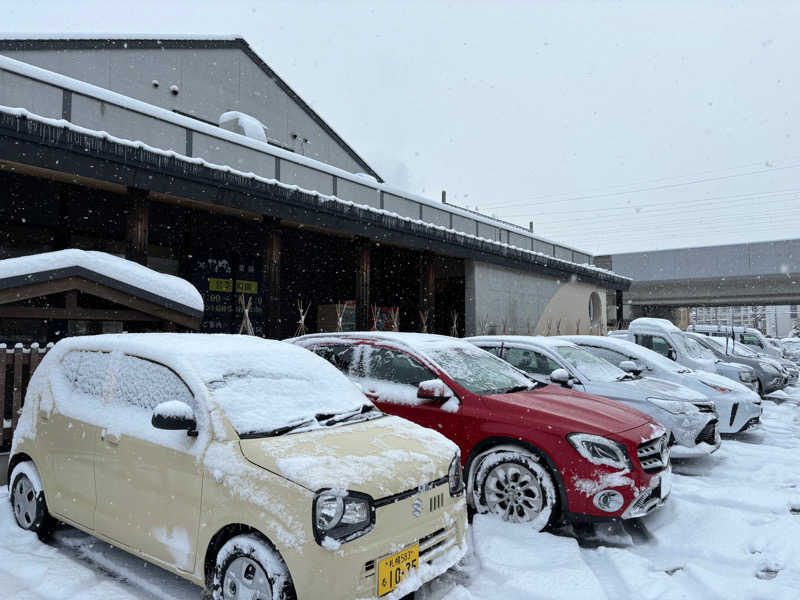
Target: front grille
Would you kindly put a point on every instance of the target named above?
(653, 454)
(435, 502)
(708, 435)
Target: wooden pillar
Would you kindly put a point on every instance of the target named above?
(620, 305)
(427, 289)
(271, 277)
(138, 226)
(363, 316)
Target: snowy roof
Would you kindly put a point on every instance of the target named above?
(117, 36)
(128, 276)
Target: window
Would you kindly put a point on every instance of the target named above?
(340, 356)
(531, 361)
(395, 366)
(496, 350)
(145, 384)
(593, 367)
(87, 371)
(615, 358)
(475, 370)
(750, 340)
(656, 343)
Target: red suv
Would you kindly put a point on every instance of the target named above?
(531, 452)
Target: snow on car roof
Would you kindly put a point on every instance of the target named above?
(260, 384)
(113, 267)
(414, 341)
(653, 323)
(540, 340)
(601, 340)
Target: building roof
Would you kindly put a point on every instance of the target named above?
(107, 270)
(168, 41)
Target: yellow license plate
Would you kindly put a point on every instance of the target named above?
(393, 569)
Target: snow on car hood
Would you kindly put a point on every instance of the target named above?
(722, 381)
(381, 457)
(650, 387)
(573, 410)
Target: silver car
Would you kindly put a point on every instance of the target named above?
(690, 417)
(739, 407)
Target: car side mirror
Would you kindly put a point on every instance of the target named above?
(672, 355)
(434, 389)
(174, 415)
(561, 377)
(630, 366)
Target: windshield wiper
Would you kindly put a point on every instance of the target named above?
(517, 388)
(278, 430)
(341, 418)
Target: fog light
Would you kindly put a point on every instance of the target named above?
(608, 500)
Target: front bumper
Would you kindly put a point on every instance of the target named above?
(651, 498)
(743, 409)
(706, 441)
(350, 572)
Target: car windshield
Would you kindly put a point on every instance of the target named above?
(692, 347)
(740, 349)
(593, 367)
(263, 401)
(478, 371)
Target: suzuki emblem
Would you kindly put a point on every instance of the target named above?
(416, 510)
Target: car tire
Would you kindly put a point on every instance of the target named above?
(515, 486)
(248, 567)
(27, 500)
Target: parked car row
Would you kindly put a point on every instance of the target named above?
(343, 465)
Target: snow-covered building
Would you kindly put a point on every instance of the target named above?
(192, 156)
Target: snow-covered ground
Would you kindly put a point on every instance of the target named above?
(731, 530)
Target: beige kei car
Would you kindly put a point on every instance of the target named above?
(251, 467)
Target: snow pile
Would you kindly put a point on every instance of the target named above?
(173, 288)
(245, 124)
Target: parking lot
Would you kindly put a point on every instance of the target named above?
(731, 529)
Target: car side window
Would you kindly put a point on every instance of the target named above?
(751, 340)
(395, 366)
(145, 384)
(656, 343)
(530, 361)
(612, 356)
(339, 355)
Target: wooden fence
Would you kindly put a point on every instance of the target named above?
(17, 364)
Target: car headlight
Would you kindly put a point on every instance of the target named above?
(342, 515)
(716, 387)
(675, 407)
(599, 450)
(745, 376)
(455, 476)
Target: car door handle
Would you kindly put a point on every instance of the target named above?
(110, 438)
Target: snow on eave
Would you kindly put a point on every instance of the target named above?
(54, 265)
(555, 262)
(119, 36)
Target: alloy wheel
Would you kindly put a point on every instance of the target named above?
(514, 493)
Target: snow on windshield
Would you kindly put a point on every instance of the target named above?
(476, 370)
(261, 393)
(588, 364)
(692, 347)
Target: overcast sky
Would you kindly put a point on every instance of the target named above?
(614, 126)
